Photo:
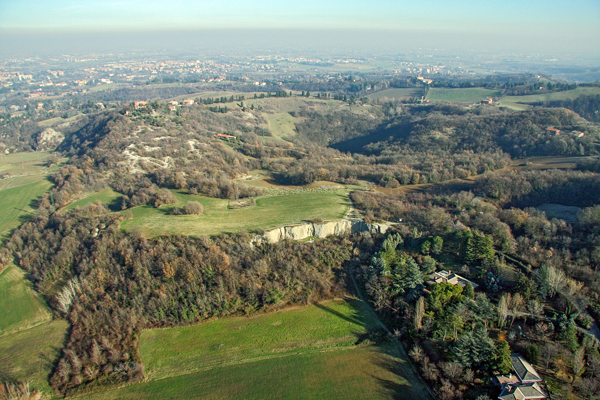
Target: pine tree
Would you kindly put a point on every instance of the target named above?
(479, 247)
(502, 360)
(468, 291)
(462, 349)
(437, 246)
(483, 347)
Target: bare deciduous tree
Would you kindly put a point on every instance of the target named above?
(419, 312)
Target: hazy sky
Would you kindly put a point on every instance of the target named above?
(531, 22)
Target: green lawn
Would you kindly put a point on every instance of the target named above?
(23, 163)
(398, 94)
(21, 306)
(29, 356)
(335, 324)
(361, 373)
(107, 197)
(514, 102)
(306, 352)
(281, 125)
(460, 95)
(269, 212)
(15, 204)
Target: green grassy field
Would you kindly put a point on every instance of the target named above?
(335, 324)
(107, 197)
(15, 205)
(460, 95)
(29, 341)
(397, 94)
(281, 125)
(106, 86)
(217, 218)
(21, 306)
(58, 120)
(306, 352)
(514, 102)
(29, 356)
(23, 163)
(362, 373)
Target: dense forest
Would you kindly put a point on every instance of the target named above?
(586, 106)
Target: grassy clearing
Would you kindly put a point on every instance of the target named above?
(217, 218)
(287, 104)
(557, 162)
(58, 120)
(15, 204)
(29, 356)
(23, 163)
(461, 95)
(9, 183)
(396, 94)
(106, 86)
(516, 102)
(362, 373)
(281, 125)
(175, 351)
(21, 307)
(304, 352)
(108, 197)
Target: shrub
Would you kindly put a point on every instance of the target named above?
(193, 207)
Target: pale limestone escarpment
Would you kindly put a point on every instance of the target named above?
(49, 139)
(320, 230)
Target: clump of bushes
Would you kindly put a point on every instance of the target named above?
(191, 208)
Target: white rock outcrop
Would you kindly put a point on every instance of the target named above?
(49, 139)
(320, 230)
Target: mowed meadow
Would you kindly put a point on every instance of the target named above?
(522, 102)
(306, 352)
(30, 341)
(459, 95)
(25, 181)
(269, 212)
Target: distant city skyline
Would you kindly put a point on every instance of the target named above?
(522, 25)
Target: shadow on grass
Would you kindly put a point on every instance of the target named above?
(408, 385)
(351, 319)
(115, 204)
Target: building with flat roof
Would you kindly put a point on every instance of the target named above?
(449, 277)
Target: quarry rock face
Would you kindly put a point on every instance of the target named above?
(320, 230)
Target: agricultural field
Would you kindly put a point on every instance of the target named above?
(30, 341)
(281, 125)
(22, 308)
(58, 120)
(269, 212)
(23, 163)
(16, 204)
(26, 182)
(29, 355)
(396, 94)
(555, 162)
(316, 351)
(520, 102)
(107, 196)
(471, 95)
